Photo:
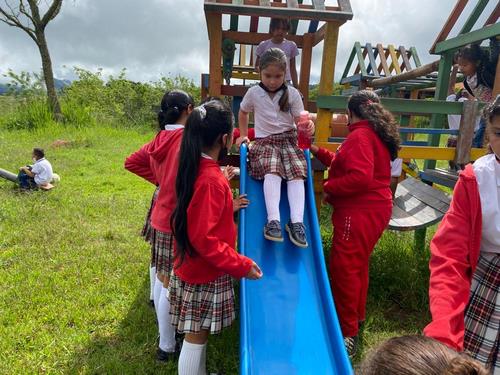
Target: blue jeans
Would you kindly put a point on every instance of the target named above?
(25, 181)
(477, 141)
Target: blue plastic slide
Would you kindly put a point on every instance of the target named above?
(288, 320)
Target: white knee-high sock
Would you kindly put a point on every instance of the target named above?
(190, 360)
(152, 279)
(202, 370)
(296, 197)
(167, 331)
(272, 193)
(156, 294)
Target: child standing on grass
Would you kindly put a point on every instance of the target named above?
(479, 68)
(275, 154)
(201, 290)
(358, 188)
(157, 162)
(279, 28)
(464, 287)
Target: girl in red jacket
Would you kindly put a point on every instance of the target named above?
(157, 162)
(358, 188)
(201, 290)
(464, 285)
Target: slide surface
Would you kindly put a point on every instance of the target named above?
(288, 320)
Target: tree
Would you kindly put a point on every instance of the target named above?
(27, 17)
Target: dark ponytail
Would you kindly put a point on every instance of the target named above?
(473, 53)
(172, 105)
(366, 105)
(205, 126)
(275, 56)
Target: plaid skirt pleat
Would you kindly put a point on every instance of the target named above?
(147, 229)
(196, 307)
(482, 316)
(277, 154)
(163, 252)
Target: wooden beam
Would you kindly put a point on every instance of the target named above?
(320, 34)
(305, 66)
(450, 22)
(326, 79)
(255, 38)
(466, 133)
(472, 37)
(302, 12)
(394, 58)
(495, 14)
(473, 16)
(373, 63)
(406, 65)
(349, 62)
(414, 73)
(383, 60)
(361, 59)
(214, 22)
(414, 56)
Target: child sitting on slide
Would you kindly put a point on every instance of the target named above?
(37, 175)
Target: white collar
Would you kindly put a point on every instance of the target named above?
(206, 156)
(173, 126)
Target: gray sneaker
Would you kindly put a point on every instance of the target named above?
(351, 345)
(297, 233)
(272, 231)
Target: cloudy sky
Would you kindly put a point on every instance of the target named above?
(154, 38)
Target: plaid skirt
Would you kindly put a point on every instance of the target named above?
(163, 252)
(277, 154)
(196, 307)
(482, 316)
(147, 229)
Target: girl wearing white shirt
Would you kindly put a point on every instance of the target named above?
(465, 259)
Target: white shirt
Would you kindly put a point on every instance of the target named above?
(454, 120)
(487, 171)
(42, 169)
(396, 167)
(268, 117)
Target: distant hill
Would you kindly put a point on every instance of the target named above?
(60, 84)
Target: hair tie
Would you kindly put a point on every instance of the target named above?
(202, 110)
(176, 108)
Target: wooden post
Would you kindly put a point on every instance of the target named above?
(466, 132)
(305, 66)
(214, 22)
(438, 120)
(326, 88)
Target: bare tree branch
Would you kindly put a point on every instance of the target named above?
(52, 12)
(22, 9)
(13, 20)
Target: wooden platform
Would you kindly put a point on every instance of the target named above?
(440, 176)
(417, 206)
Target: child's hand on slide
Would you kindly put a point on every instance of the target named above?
(311, 127)
(241, 140)
(229, 172)
(240, 202)
(255, 273)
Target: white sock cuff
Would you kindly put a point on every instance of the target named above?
(193, 347)
(272, 177)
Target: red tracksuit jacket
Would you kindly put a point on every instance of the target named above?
(211, 230)
(157, 162)
(360, 168)
(454, 256)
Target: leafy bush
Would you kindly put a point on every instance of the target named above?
(31, 113)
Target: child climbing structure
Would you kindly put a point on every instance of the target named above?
(293, 301)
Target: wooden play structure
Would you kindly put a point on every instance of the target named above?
(242, 42)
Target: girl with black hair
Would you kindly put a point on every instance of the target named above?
(201, 290)
(358, 188)
(479, 68)
(464, 286)
(275, 155)
(157, 162)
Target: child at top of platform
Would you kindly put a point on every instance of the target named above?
(479, 68)
(275, 154)
(279, 28)
(464, 296)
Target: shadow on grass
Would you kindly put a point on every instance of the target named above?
(131, 348)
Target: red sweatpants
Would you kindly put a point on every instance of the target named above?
(355, 234)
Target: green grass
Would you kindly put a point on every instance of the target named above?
(73, 269)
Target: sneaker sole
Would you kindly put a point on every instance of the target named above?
(275, 239)
(293, 240)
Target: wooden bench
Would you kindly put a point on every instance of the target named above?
(417, 206)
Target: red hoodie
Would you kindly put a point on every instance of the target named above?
(157, 162)
(454, 255)
(211, 230)
(359, 169)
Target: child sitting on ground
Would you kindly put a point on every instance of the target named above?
(37, 175)
(279, 28)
